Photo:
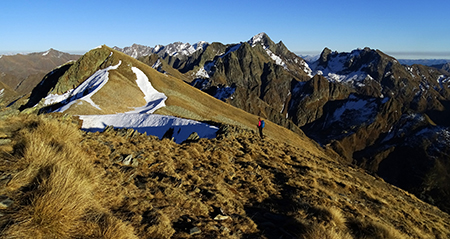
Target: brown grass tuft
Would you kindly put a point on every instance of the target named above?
(368, 228)
(320, 231)
(55, 182)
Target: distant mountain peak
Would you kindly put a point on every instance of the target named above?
(262, 38)
(173, 49)
(47, 52)
(50, 53)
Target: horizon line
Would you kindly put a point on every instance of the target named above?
(416, 55)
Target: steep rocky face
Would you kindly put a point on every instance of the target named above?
(47, 84)
(413, 155)
(383, 126)
(371, 73)
(259, 79)
(308, 98)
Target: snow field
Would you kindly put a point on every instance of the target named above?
(151, 124)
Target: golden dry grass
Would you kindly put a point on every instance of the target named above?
(53, 183)
(69, 184)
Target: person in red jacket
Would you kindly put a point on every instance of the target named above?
(261, 125)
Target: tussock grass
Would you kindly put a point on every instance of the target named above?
(320, 231)
(68, 184)
(54, 184)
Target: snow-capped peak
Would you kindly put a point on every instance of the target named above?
(257, 38)
(184, 48)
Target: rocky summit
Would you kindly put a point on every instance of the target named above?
(356, 144)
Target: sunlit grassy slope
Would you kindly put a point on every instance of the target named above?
(58, 182)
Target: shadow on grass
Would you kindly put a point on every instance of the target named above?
(275, 216)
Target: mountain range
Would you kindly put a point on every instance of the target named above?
(364, 104)
(362, 108)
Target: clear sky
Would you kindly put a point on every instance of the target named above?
(403, 29)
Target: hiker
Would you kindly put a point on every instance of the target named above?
(261, 125)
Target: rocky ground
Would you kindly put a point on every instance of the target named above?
(234, 186)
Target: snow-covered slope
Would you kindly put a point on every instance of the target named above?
(151, 124)
(83, 92)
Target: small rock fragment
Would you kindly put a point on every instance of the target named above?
(221, 217)
(194, 231)
(127, 160)
(5, 203)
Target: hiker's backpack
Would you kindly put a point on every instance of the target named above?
(262, 124)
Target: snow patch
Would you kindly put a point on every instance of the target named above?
(206, 71)
(158, 47)
(140, 119)
(155, 99)
(306, 67)
(53, 98)
(201, 73)
(157, 64)
(231, 49)
(185, 48)
(151, 124)
(256, 39)
(336, 71)
(442, 79)
(276, 58)
(355, 111)
(84, 91)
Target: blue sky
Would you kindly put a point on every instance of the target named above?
(404, 29)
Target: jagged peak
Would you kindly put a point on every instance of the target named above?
(324, 56)
(327, 54)
(358, 51)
